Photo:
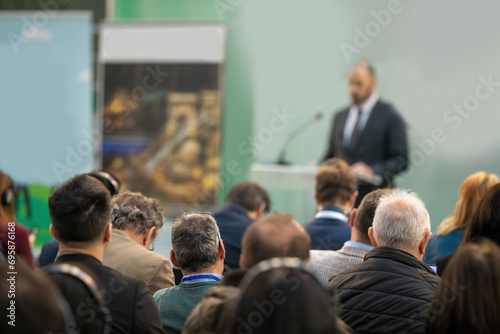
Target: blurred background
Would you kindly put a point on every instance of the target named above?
(178, 98)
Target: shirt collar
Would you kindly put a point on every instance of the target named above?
(358, 244)
(368, 105)
(198, 278)
(332, 212)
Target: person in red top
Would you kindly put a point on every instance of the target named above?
(7, 223)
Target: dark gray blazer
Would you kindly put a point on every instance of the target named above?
(382, 145)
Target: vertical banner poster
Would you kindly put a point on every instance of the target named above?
(161, 109)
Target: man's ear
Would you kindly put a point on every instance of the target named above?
(260, 210)
(222, 250)
(173, 259)
(147, 237)
(107, 233)
(316, 199)
(423, 242)
(354, 212)
(53, 232)
(241, 261)
(372, 237)
(352, 199)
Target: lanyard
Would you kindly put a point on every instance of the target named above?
(201, 276)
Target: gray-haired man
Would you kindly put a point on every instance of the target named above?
(136, 221)
(391, 291)
(198, 250)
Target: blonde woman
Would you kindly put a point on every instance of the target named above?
(451, 231)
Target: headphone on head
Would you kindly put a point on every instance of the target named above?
(112, 181)
(9, 194)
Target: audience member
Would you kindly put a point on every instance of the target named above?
(31, 302)
(51, 247)
(391, 291)
(280, 296)
(451, 231)
(11, 231)
(80, 210)
(276, 235)
(485, 223)
(336, 191)
(246, 202)
(325, 263)
(136, 221)
(198, 251)
(467, 300)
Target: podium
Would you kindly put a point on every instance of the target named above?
(291, 188)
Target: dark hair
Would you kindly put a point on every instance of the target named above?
(276, 235)
(366, 210)
(136, 212)
(486, 219)
(250, 196)
(467, 299)
(335, 183)
(285, 301)
(80, 209)
(37, 302)
(195, 241)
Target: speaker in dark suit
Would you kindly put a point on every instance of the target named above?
(370, 134)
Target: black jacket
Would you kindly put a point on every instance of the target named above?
(130, 303)
(382, 144)
(390, 292)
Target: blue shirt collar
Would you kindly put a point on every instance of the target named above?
(198, 278)
(358, 244)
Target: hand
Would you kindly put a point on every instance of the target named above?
(362, 170)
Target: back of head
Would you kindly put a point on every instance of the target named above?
(136, 212)
(276, 235)
(7, 208)
(284, 300)
(335, 183)
(366, 210)
(471, 192)
(37, 307)
(401, 220)
(467, 299)
(80, 209)
(486, 219)
(250, 196)
(195, 241)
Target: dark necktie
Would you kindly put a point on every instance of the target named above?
(356, 132)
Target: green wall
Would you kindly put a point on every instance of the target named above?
(238, 104)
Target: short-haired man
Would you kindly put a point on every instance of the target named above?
(80, 211)
(336, 191)
(136, 222)
(198, 251)
(391, 291)
(369, 134)
(326, 263)
(276, 235)
(246, 202)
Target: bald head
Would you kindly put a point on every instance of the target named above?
(277, 235)
(362, 82)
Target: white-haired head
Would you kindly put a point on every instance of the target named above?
(401, 221)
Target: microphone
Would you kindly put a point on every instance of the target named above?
(304, 126)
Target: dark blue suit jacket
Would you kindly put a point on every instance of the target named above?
(328, 233)
(232, 221)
